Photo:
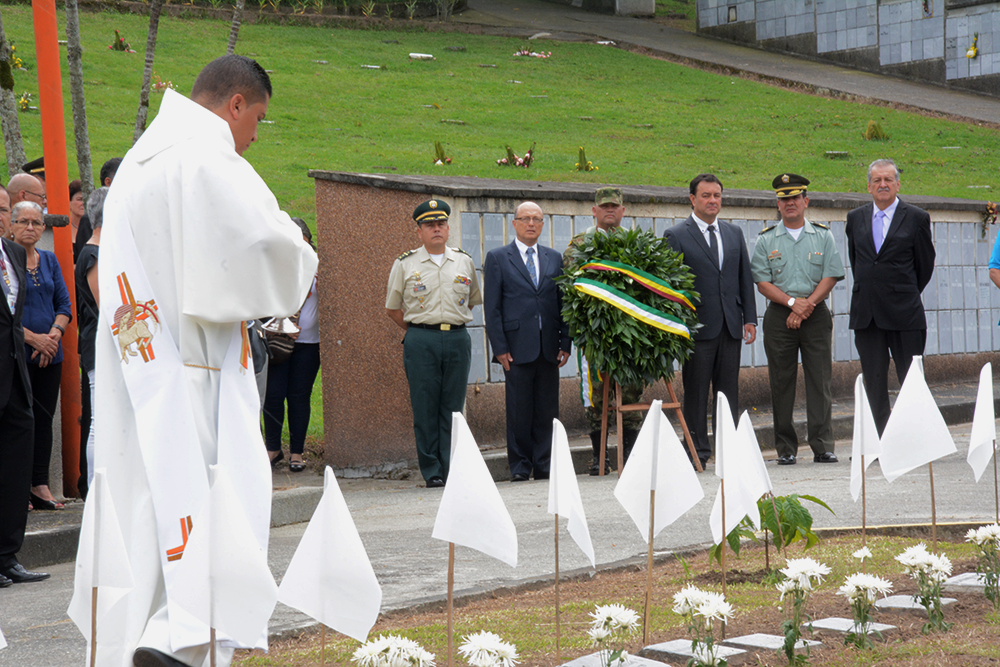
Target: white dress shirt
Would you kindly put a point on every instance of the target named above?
(890, 211)
(523, 249)
(703, 226)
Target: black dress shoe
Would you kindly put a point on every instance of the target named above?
(17, 574)
(435, 482)
(825, 457)
(519, 477)
(786, 460)
(5, 582)
(150, 657)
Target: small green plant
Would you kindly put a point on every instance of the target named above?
(583, 164)
(874, 132)
(987, 541)
(929, 571)
(300, 6)
(215, 3)
(744, 530)
(318, 5)
(861, 591)
(274, 4)
(802, 575)
(411, 9)
(700, 609)
(439, 155)
(368, 8)
(793, 522)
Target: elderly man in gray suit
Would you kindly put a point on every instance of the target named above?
(716, 253)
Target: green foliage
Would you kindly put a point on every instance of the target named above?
(874, 132)
(630, 351)
(743, 530)
(795, 520)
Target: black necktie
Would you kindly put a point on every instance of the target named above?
(713, 244)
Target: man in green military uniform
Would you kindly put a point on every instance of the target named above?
(795, 265)
(608, 210)
(431, 292)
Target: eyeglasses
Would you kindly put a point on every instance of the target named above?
(35, 194)
(537, 221)
(30, 223)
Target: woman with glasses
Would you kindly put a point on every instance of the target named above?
(47, 313)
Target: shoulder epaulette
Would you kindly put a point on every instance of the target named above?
(767, 229)
(821, 225)
(462, 251)
(406, 254)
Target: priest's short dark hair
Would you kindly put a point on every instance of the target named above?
(230, 75)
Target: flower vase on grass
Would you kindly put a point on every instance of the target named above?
(613, 624)
(802, 575)
(702, 609)
(929, 571)
(861, 591)
(987, 541)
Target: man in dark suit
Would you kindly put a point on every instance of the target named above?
(716, 253)
(522, 306)
(892, 259)
(16, 421)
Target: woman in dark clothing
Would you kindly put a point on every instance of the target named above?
(47, 312)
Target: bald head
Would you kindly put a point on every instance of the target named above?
(4, 211)
(25, 187)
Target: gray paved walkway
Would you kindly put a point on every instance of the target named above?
(526, 17)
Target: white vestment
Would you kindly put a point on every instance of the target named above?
(215, 250)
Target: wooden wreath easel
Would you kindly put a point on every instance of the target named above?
(619, 409)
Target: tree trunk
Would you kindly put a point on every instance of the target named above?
(234, 31)
(75, 56)
(13, 146)
(147, 73)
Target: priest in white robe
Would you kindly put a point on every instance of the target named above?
(193, 245)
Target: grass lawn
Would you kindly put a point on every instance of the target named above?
(527, 618)
(642, 121)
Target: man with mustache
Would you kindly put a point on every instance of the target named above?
(892, 259)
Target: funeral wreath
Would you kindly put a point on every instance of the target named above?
(629, 303)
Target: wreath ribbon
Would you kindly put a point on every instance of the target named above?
(647, 280)
(640, 311)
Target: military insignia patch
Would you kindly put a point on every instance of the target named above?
(432, 204)
(131, 324)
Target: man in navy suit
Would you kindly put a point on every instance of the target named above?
(522, 306)
(892, 259)
(716, 253)
(17, 424)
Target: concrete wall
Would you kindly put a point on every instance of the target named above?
(618, 7)
(364, 222)
(909, 38)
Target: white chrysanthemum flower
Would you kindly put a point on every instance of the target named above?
(599, 633)
(972, 536)
(985, 536)
(915, 558)
(615, 617)
(786, 586)
(864, 586)
(392, 651)
(803, 571)
(623, 657)
(714, 607)
(486, 649)
(687, 600)
(862, 553)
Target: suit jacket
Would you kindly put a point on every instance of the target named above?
(12, 360)
(513, 306)
(887, 284)
(727, 298)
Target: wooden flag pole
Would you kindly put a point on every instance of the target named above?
(649, 571)
(93, 626)
(322, 644)
(451, 602)
(996, 487)
(211, 641)
(618, 422)
(722, 545)
(930, 470)
(604, 428)
(558, 660)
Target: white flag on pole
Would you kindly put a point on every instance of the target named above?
(746, 479)
(471, 512)
(984, 426)
(330, 577)
(866, 441)
(564, 492)
(3, 642)
(657, 463)
(101, 558)
(223, 580)
(916, 433)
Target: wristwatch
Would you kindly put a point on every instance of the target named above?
(791, 302)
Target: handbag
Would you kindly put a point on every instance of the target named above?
(279, 345)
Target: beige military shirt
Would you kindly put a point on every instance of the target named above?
(432, 294)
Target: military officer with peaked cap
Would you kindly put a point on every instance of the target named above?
(795, 265)
(431, 292)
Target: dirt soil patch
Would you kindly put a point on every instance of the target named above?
(527, 617)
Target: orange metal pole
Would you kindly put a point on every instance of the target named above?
(57, 187)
